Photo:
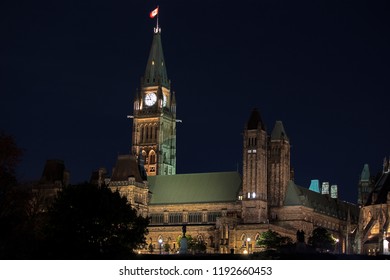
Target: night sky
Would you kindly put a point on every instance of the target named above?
(69, 71)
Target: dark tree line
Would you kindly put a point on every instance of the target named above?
(320, 240)
(83, 222)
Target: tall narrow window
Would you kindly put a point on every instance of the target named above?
(150, 131)
(155, 132)
(142, 136)
(146, 132)
(152, 157)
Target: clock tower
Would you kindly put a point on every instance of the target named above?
(154, 126)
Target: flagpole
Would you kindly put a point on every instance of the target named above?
(157, 18)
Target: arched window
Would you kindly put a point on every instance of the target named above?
(200, 238)
(152, 157)
(155, 132)
(146, 132)
(243, 240)
(150, 129)
(142, 133)
(257, 237)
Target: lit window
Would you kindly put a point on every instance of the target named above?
(249, 195)
(249, 151)
(152, 62)
(253, 195)
(254, 151)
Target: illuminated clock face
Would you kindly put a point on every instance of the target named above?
(150, 98)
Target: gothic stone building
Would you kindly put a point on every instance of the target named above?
(373, 235)
(227, 210)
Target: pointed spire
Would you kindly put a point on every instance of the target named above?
(156, 72)
(385, 165)
(173, 103)
(365, 175)
(278, 133)
(255, 121)
(315, 185)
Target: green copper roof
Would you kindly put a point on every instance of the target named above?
(278, 133)
(194, 188)
(156, 72)
(315, 185)
(324, 204)
(365, 176)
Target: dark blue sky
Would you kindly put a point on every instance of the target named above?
(69, 71)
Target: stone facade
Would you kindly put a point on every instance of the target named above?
(224, 210)
(373, 235)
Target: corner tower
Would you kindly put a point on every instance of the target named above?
(365, 186)
(154, 126)
(278, 165)
(254, 180)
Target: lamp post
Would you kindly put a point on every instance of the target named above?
(160, 241)
(247, 244)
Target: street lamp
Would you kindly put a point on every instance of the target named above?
(160, 241)
(337, 245)
(247, 244)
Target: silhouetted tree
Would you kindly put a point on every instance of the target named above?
(10, 156)
(90, 222)
(272, 240)
(321, 240)
(16, 214)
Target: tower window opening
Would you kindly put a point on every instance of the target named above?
(253, 195)
(150, 131)
(249, 195)
(146, 133)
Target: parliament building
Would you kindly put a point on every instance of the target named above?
(226, 210)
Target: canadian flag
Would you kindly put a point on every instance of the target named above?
(153, 13)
